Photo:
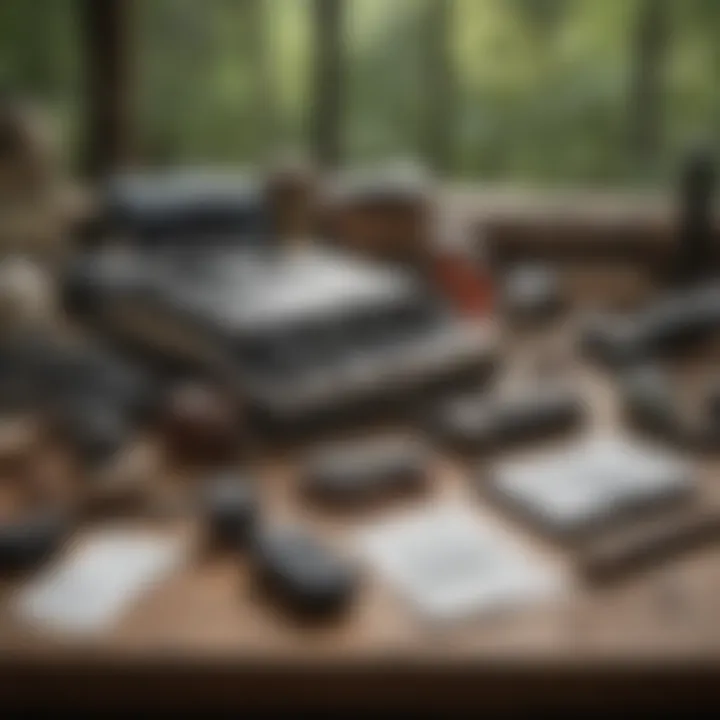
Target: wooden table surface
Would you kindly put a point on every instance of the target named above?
(204, 635)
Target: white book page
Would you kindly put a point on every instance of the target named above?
(89, 589)
(448, 564)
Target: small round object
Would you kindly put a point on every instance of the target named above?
(201, 423)
(231, 508)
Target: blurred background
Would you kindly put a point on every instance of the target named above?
(540, 92)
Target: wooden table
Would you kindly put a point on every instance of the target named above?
(204, 637)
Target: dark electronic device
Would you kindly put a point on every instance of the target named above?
(651, 404)
(363, 470)
(230, 506)
(303, 574)
(670, 324)
(618, 556)
(483, 423)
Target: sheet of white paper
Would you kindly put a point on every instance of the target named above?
(449, 564)
(591, 479)
(95, 584)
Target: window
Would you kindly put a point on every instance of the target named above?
(524, 91)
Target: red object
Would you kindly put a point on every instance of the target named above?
(469, 287)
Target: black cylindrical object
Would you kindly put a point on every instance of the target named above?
(230, 506)
(696, 255)
(303, 574)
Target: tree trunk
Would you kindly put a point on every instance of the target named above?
(260, 56)
(106, 35)
(439, 86)
(646, 98)
(326, 112)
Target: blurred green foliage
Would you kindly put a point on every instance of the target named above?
(39, 56)
(544, 91)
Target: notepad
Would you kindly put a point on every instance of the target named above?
(591, 480)
(96, 583)
(448, 563)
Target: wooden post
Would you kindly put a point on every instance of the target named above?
(326, 112)
(106, 63)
